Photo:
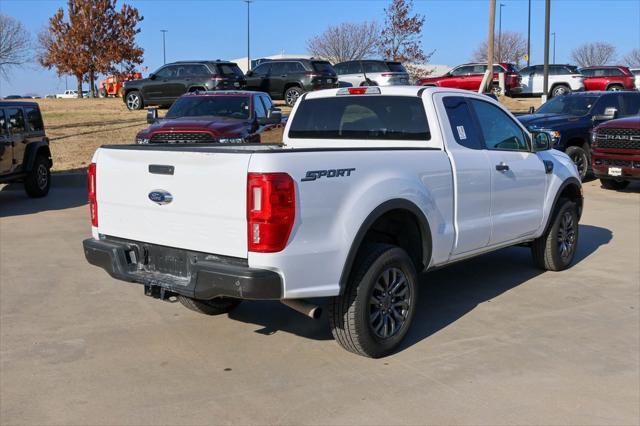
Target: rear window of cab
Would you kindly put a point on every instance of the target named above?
(373, 118)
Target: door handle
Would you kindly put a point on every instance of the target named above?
(502, 167)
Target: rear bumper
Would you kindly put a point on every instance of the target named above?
(204, 277)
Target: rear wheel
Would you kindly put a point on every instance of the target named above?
(614, 184)
(581, 159)
(615, 88)
(375, 311)
(560, 89)
(220, 305)
(556, 248)
(38, 181)
(134, 100)
(292, 94)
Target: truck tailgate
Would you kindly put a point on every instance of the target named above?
(207, 212)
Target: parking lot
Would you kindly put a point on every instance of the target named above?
(495, 340)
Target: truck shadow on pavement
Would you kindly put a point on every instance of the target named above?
(15, 202)
(445, 295)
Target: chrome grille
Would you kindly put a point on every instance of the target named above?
(618, 138)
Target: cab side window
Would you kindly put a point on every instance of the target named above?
(354, 67)
(34, 119)
(165, 72)
(262, 69)
(261, 112)
(499, 130)
(15, 118)
(340, 68)
(461, 121)
(607, 101)
(266, 101)
(631, 103)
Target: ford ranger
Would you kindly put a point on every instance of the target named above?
(370, 186)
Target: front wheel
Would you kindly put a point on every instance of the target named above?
(614, 184)
(134, 101)
(556, 248)
(615, 88)
(291, 95)
(580, 158)
(560, 90)
(374, 313)
(217, 306)
(38, 181)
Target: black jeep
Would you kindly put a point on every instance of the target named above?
(24, 147)
(173, 80)
(289, 78)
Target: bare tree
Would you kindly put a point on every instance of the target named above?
(400, 38)
(513, 48)
(15, 44)
(590, 54)
(345, 42)
(632, 59)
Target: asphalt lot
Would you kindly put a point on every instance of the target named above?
(495, 340)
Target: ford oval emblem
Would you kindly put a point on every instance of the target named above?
(160, 197)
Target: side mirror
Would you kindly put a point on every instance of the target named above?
(274, 116)
(541, 141)
(152, 115)
(531, 110)
(152, 76)
(609, 114)
(249, 73)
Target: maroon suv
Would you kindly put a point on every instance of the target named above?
(216, 117)
(615, 157)
(469, 76)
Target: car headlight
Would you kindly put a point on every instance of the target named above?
(142, 141)
(231, 140)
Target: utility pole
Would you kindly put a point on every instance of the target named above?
(488, 76)
(164, 51)
(529, 37)
(554, 47)
(547, 15)
(500, 34)
(248, 2)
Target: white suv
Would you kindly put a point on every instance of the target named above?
(563, 79)
(372, 73)
(636, 75)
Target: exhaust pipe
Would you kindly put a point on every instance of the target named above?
(305, 308)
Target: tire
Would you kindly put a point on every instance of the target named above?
(496, 90)
(615, 88)
(372, 329)
(218, 306)
(614, 184)
(291, 95)
(581, 159)
(556, 248)
(560, 90)
(102, 92)
(134, 100)
(38, 181)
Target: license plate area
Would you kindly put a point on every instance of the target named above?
(165, 260)
(615, 171)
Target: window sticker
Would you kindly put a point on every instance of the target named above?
(461, 133)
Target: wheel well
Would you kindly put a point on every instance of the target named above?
(572, 192)
(289, 85)
(610, 85)
(130, 90)
(400, 228)
(554, 85)
(576, 142)
(195, 88)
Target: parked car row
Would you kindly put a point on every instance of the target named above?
(563, 79)
(285, 79)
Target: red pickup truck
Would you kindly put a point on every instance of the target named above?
(608, 78)
(615, 157)
(469, 76)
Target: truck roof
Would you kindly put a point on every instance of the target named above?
(394, 91)
(4, 104)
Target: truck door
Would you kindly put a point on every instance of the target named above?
(472, 177)
(17, 132)
(518, 178)
(6, 147)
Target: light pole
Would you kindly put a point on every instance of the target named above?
(554, 47)
(248, 2)
(529, 37)
(164, 51)
(500, 33)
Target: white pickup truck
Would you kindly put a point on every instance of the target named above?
(370, 186)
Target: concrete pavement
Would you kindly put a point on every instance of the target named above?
(495, 340)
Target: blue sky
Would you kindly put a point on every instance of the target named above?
(217, 28)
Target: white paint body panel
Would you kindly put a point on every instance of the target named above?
(451, 188)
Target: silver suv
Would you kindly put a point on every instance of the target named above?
(371, 73)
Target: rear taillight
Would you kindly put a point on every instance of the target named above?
(93, 194)
(271, 211)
